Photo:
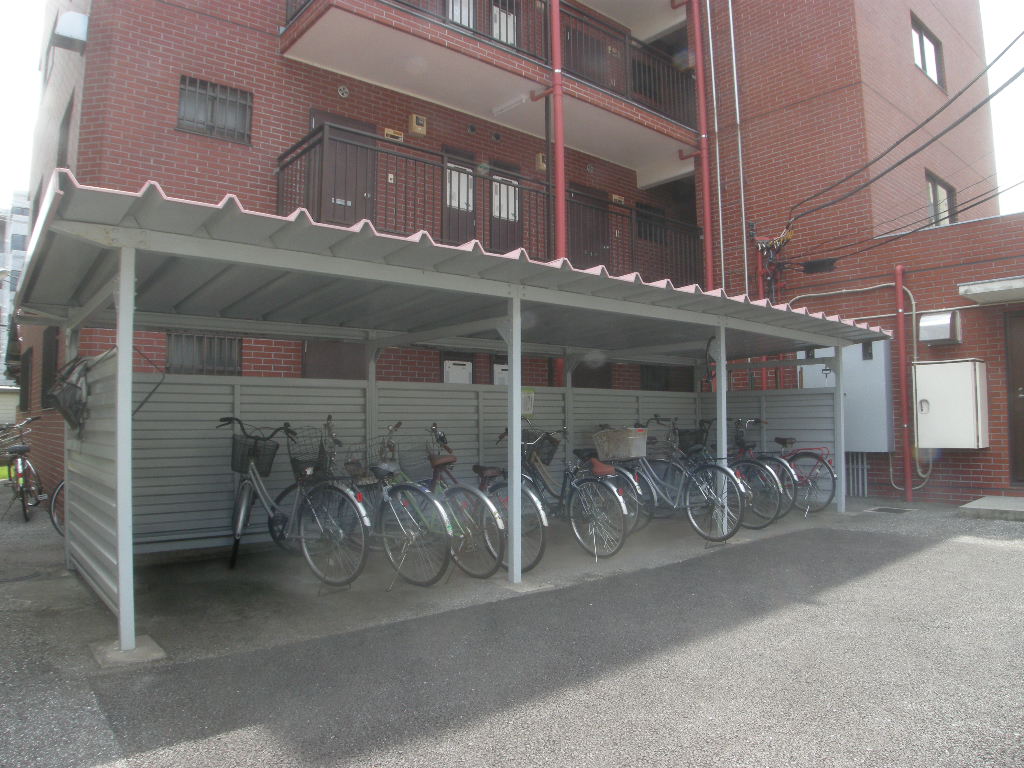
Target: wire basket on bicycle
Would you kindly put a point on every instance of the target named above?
(261, 450)
(308, 452)
(546, 448)
(661, 443)
(626, 443)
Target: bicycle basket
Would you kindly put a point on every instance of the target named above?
(354, 464)
(262, 452)
(689, 438)
(545, 449)
(612, 444)
(308, 453)
(67, 396)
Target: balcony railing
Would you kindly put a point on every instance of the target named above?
(342, 176)
(592, 50)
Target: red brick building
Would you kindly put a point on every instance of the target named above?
(436, 116)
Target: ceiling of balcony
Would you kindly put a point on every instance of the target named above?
(647, 19)
(362, 50)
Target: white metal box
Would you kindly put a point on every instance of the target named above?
(867, 393)
(951, 403)
(458, 372)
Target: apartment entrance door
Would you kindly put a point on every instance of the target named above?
(588, 227)
(349, 169)
(1015, 374)
(458, 223)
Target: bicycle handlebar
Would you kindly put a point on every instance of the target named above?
(286, 428)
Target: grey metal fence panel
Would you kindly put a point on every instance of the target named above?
(806, 415)
(91, 488)
(183, 484)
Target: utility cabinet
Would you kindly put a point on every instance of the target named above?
(951, 403)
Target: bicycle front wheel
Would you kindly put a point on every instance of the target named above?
(57, 508)
(766, 496)
(714, 502)
(533, 524)
(816, 481)
(597, 515)
(477, 543)
(331, 535)
(279, 522)
(240, 517)
(415, 531)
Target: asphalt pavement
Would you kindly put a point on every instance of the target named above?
(862, 639)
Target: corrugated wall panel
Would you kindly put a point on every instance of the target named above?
(807, 415)
(91, 488)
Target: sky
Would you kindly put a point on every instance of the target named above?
(20, 45)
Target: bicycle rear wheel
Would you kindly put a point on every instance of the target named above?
(787, 478)
(597, 515)
(766, 497)
(416, 534)
(240, 517)
(533, 525)
(714, 502)
(477, 543)
(331, 535)
(57, 509)
(816, 481)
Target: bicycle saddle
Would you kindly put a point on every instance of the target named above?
(384, 470)
(601, 469)
(786, 442)
(442, 461)
(17, 450)
(483, 471)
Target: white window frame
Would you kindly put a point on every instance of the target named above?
(459, 187)
(503, 25)
(927, 52)
(504, 198)
(461, 12)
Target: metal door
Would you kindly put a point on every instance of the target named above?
(1015, 374)
(588, 228)
(459, 224)
(350, 169)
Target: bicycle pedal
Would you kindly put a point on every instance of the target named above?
(43, 496)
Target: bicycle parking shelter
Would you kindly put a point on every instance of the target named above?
(135, 261)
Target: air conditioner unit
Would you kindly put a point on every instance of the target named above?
(935, 328)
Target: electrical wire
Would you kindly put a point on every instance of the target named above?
(924, 226)
(907, 135)
(964, 205)
(898, 163)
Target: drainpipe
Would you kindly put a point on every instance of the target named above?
(558, 116)
(693, 21)
(901, 351)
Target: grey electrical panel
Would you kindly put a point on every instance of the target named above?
(867, 393)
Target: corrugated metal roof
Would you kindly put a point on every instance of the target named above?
(200, 260)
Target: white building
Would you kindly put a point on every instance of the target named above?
(14, 233)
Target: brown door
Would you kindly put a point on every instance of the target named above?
(588, 227)
(506, 214)
(350, 169)
(459, 221)
(1015, 369)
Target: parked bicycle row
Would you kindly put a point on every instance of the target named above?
(411, 504)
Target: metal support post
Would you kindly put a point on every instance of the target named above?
(514, 339)
(721, 406)
(840, 433)
(123, 419)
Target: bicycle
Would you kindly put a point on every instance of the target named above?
(329, 520)
(713, 497)
(23, 480)
(763, 476)
(409, 520)
(478, 531)
(815, 478)
(593, 505)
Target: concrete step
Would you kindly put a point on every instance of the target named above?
(995, 508)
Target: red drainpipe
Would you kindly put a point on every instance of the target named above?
(901, 352)
(693, 21)
(558, 118)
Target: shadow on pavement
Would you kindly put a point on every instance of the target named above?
(349, 694)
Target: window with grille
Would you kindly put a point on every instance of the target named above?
(215, 110)
(461, 12)
(927, 52)
(504, 20)
(941, 201)
(208, 355)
